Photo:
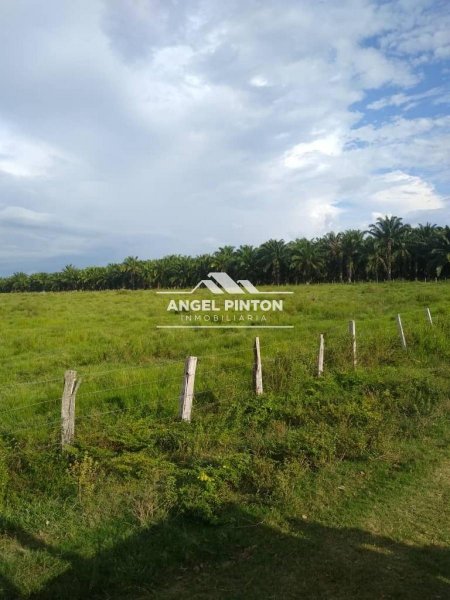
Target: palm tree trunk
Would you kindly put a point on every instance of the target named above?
(389, 260)
(277, 273)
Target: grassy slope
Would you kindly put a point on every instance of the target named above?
(337, 488)
(394, 544)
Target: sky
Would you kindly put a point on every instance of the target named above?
(154, 127)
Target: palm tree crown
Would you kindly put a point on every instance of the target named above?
(388, 231)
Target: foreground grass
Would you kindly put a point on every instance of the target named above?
(333, 488)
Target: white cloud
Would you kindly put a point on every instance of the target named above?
(313, 154)
(259, 81)
(422, 31)
(410, 100)
(401, 193)
(182, 120)
(323, 217)
(18, 215)
(23, 157)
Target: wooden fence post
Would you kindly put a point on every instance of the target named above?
(428, 313)
(187, 389)
(71, 385)
(352, 330)
(321, 355)
(257, 368)
(401, 332)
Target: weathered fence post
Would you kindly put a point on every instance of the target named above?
(401, 332)
(187, 388)
(257, 368)
(428, 313)
(71, 385)
(321, 355)
(352, 331)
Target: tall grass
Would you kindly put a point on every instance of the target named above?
(134, 464)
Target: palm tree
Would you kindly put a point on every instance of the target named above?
(392, 248)
(224, 260)
(402, 255)
(421, 243)
(332, 245)
(39, 282)
(69, 278)
(273, 258)
(307, 259)
(114, 276)
(441, 254)
(374, 258)
(202, 266)
(246, 259)
(132, 269)
(94, 278)
(388, 231)
(179, 270)
(19, 282)
(352, 242)
(159, 270)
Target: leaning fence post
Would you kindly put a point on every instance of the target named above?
(352, 331)
(428, 313)
(71, 385)
(321, 355)
(401, 332)
(257, 368)
(187, 388)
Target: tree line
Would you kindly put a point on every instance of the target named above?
(389, 249)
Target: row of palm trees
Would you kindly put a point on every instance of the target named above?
(389, 249)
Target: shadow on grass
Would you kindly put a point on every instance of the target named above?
(8, 589)
(243, 559)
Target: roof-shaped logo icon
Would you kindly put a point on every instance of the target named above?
(221, 283)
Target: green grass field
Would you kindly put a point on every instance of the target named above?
(331, 487)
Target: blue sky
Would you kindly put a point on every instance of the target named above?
(148, 127)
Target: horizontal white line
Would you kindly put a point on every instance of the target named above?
(224, 326)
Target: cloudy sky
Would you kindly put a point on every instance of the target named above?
(147, 127)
